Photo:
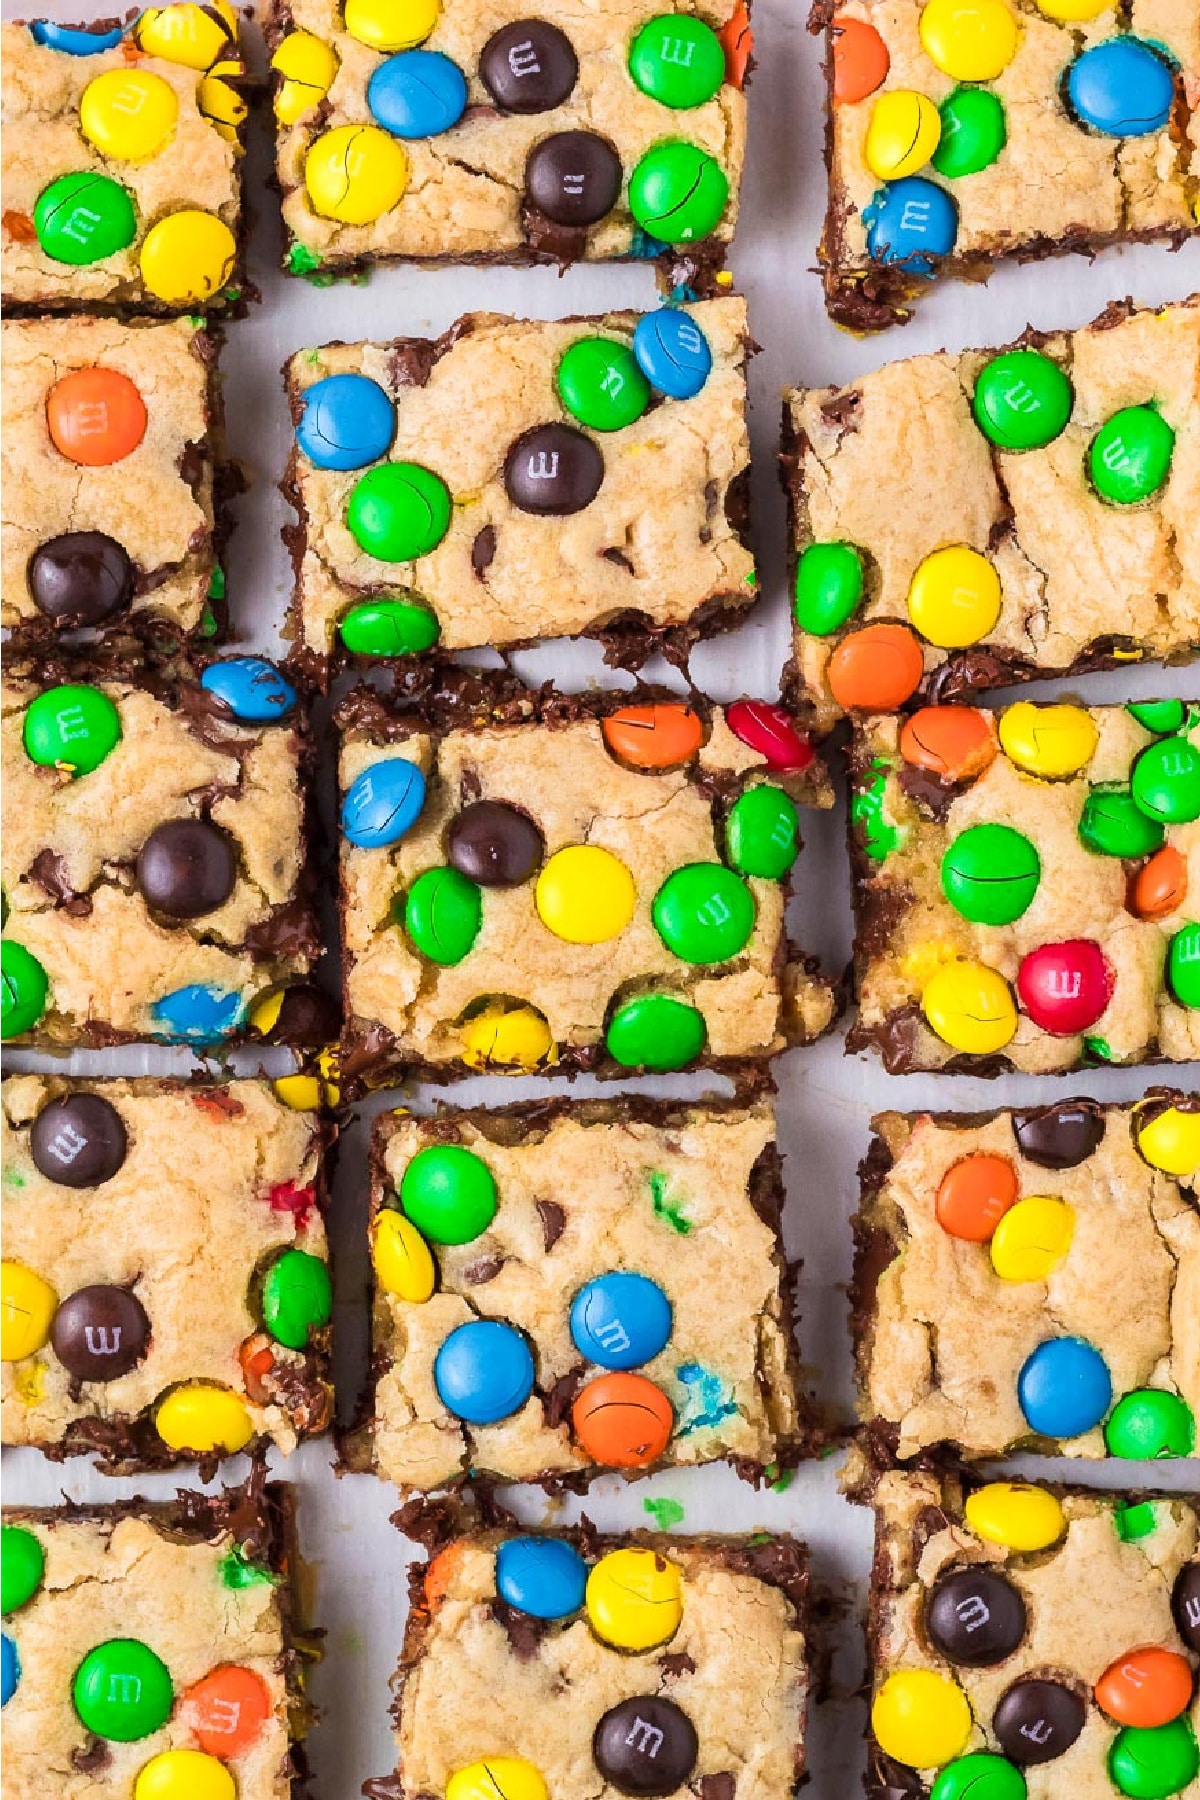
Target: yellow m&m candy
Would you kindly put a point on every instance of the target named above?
(401, 1257)
(187, 257)
(221, 104)
(585, 895)
(203, 1417)
(497, 1778)
(904, 132)
(128, 114)
(955, 596)
(634, 1599)
(307, 65)
(1050, 741)
(389, 25)
(1016, 1514)
(1032, 1238)
(184, 1775)
(1171, 1142)
(1074, 12)
(355, 173)
(921, 1718)
(970, 1007)
(505, 1035)
(27, 1308)
(192, 35)
(969, 40)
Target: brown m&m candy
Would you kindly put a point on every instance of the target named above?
(100, 1333)
(78, 1141)
(975, 1617)
(1185, 1605)
(573, 177)
(80, 578)
(494, 844)
(646, 1745)
(528, 66)
(1060, 1136)
(186, 868)
(1037, 1720)
(554, 470)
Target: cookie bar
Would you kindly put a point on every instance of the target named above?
(964, 522)
(122, 163)
(155, 852)
(643, 1313)
(960, 136)
(523, 526)
(574, 1663)
(1029, 1280)
(539, 882)
(1030, 1640)
(609, 132)
(1025, 887)
(166, 1282)
(111, 475)
(153, 1648)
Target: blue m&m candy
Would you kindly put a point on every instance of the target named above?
(383, 803)
(484, 1372)
(197, 1013)
(672, 352)
(1064, 1388)
(417, 94)
(543, 1577)
(251, 687)
(620, 1320)
(1122, 88)
(347, 422)
(911, 221)
(75, 42)
(10, 1669)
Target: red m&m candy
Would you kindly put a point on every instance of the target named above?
(95, 416)
(769, 730)
(1065, 987)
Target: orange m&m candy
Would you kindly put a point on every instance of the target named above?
(1160, 886)
(623, 1421)
(974, 1195)
(876, 669)
(654, 737)
(1147, 1688)
(95, 416)
(737, 41)
(440, 1572)
(956, 743)
(227, 1709)
(860, 60)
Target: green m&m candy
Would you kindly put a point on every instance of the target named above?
(83, 218)
(1130, 457)
(703, 913)
(442, 914)
(829, 586)
(980, 1776)
(1161, 716)
(449, 1194)
(1183, 966)
(990, 873)
(762, 832)
(123, 1691)
(678, 60)
(1135, 1521)
(1113, 824)
(656, 1032)
(389, 628)
(23, 988)
(297, 1298)
(1023, 400)
(879, 836)
(974, 132)
(601, 385)
(398, 511)
(1150, 1423)
(677, 192)
(72, 728)
(1152, 1762)
(1166, 781)
(22, 1565)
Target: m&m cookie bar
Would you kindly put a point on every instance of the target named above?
(1027, 890)
(112, 477)
(459, 132)
(122, 162)
(959, 134)
(154, 852)
(533, 882)
(166, 1282)
(152, 1651)
(573, 1665)
(1032, 1643)
(561, 1290)
(602, 489)
(966, 521)
(1029, 1280)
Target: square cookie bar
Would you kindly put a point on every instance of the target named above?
(155, 851)
(112, 435)
(1031, 1281)
(1031, 1640)
(613, 131)
(964, 522)
(602, 486)
(122, 163)
(542, 882)
(565, 1289)
(152, 1649)
(166, 1281)
(1025, 128)
(1026, 887)
(576, 1664)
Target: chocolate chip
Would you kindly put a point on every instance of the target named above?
(187, 868)
(573, 177)
(483, 550)
(1060, 1136)
(553, 469)
(78, 1141)
(1036, 1720)
(100, 1333)
(553, 1219)
(494, 844)
(80, 578)
(646, 1745)
(975, 1617)
(528, 66)
(1185, 1605)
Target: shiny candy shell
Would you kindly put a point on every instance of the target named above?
(829, 587)
(251, 687)
(635, 1599)
(860, 60)
(1016, 1514)
(662, 736)
(449, 1193)
(622, 1420)
(974, 132)
(1066, 987)
(1130, 456)
(498, 1778)
(769, 730)
(921, 1718)
(71, 727)
(306, 67)
(484, 1372)
(1150, 1423)
(504, 1035)
(1059, 1136)
(975, 1616)
(122, 1690)
(903, 134)
(128, 114)
(704, 913)
(955, 743)
(443, 912)
(1163, 717)
(876, 669)
(1064, 1388)
(1036, 1720)
(417, 94)
(1147, 1687)
(95, 416)
(388, 628)
(600, 384)
(1113, 824)
(10, 1669)
(672, 352)
(1185, 1604)
(544, 1577)
(355, 173)
(974, 1194)
(762, 832)
(658, 1032)
(24, 989)
(1165, 781)
(955, 597)
(189, 34)
(911, 221)
(227, 1710)
(389, 25)
(401, 1258)
(979, 1776)
(1023, 400)
(201, 1417)
(1170, 1141)
(347, 421)
(27, 1308)
(22, 1567)
(75, 41)
(399, 511)
(1154, 1764)
(1032, 1238)
(990, 874)
(297, 1298)
(620, 1320)
(83, 218)
(382, 803)
(969, 40)
(1183, 965)
(645, 1746)
(677, 59)
(677, 192)
(1160, 886)
(184, 1775)
(1051, 742)
(80, 578)
(969, 1006)
(187, 257)
(1121, 87)
(585, 894)
(197, 1012)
